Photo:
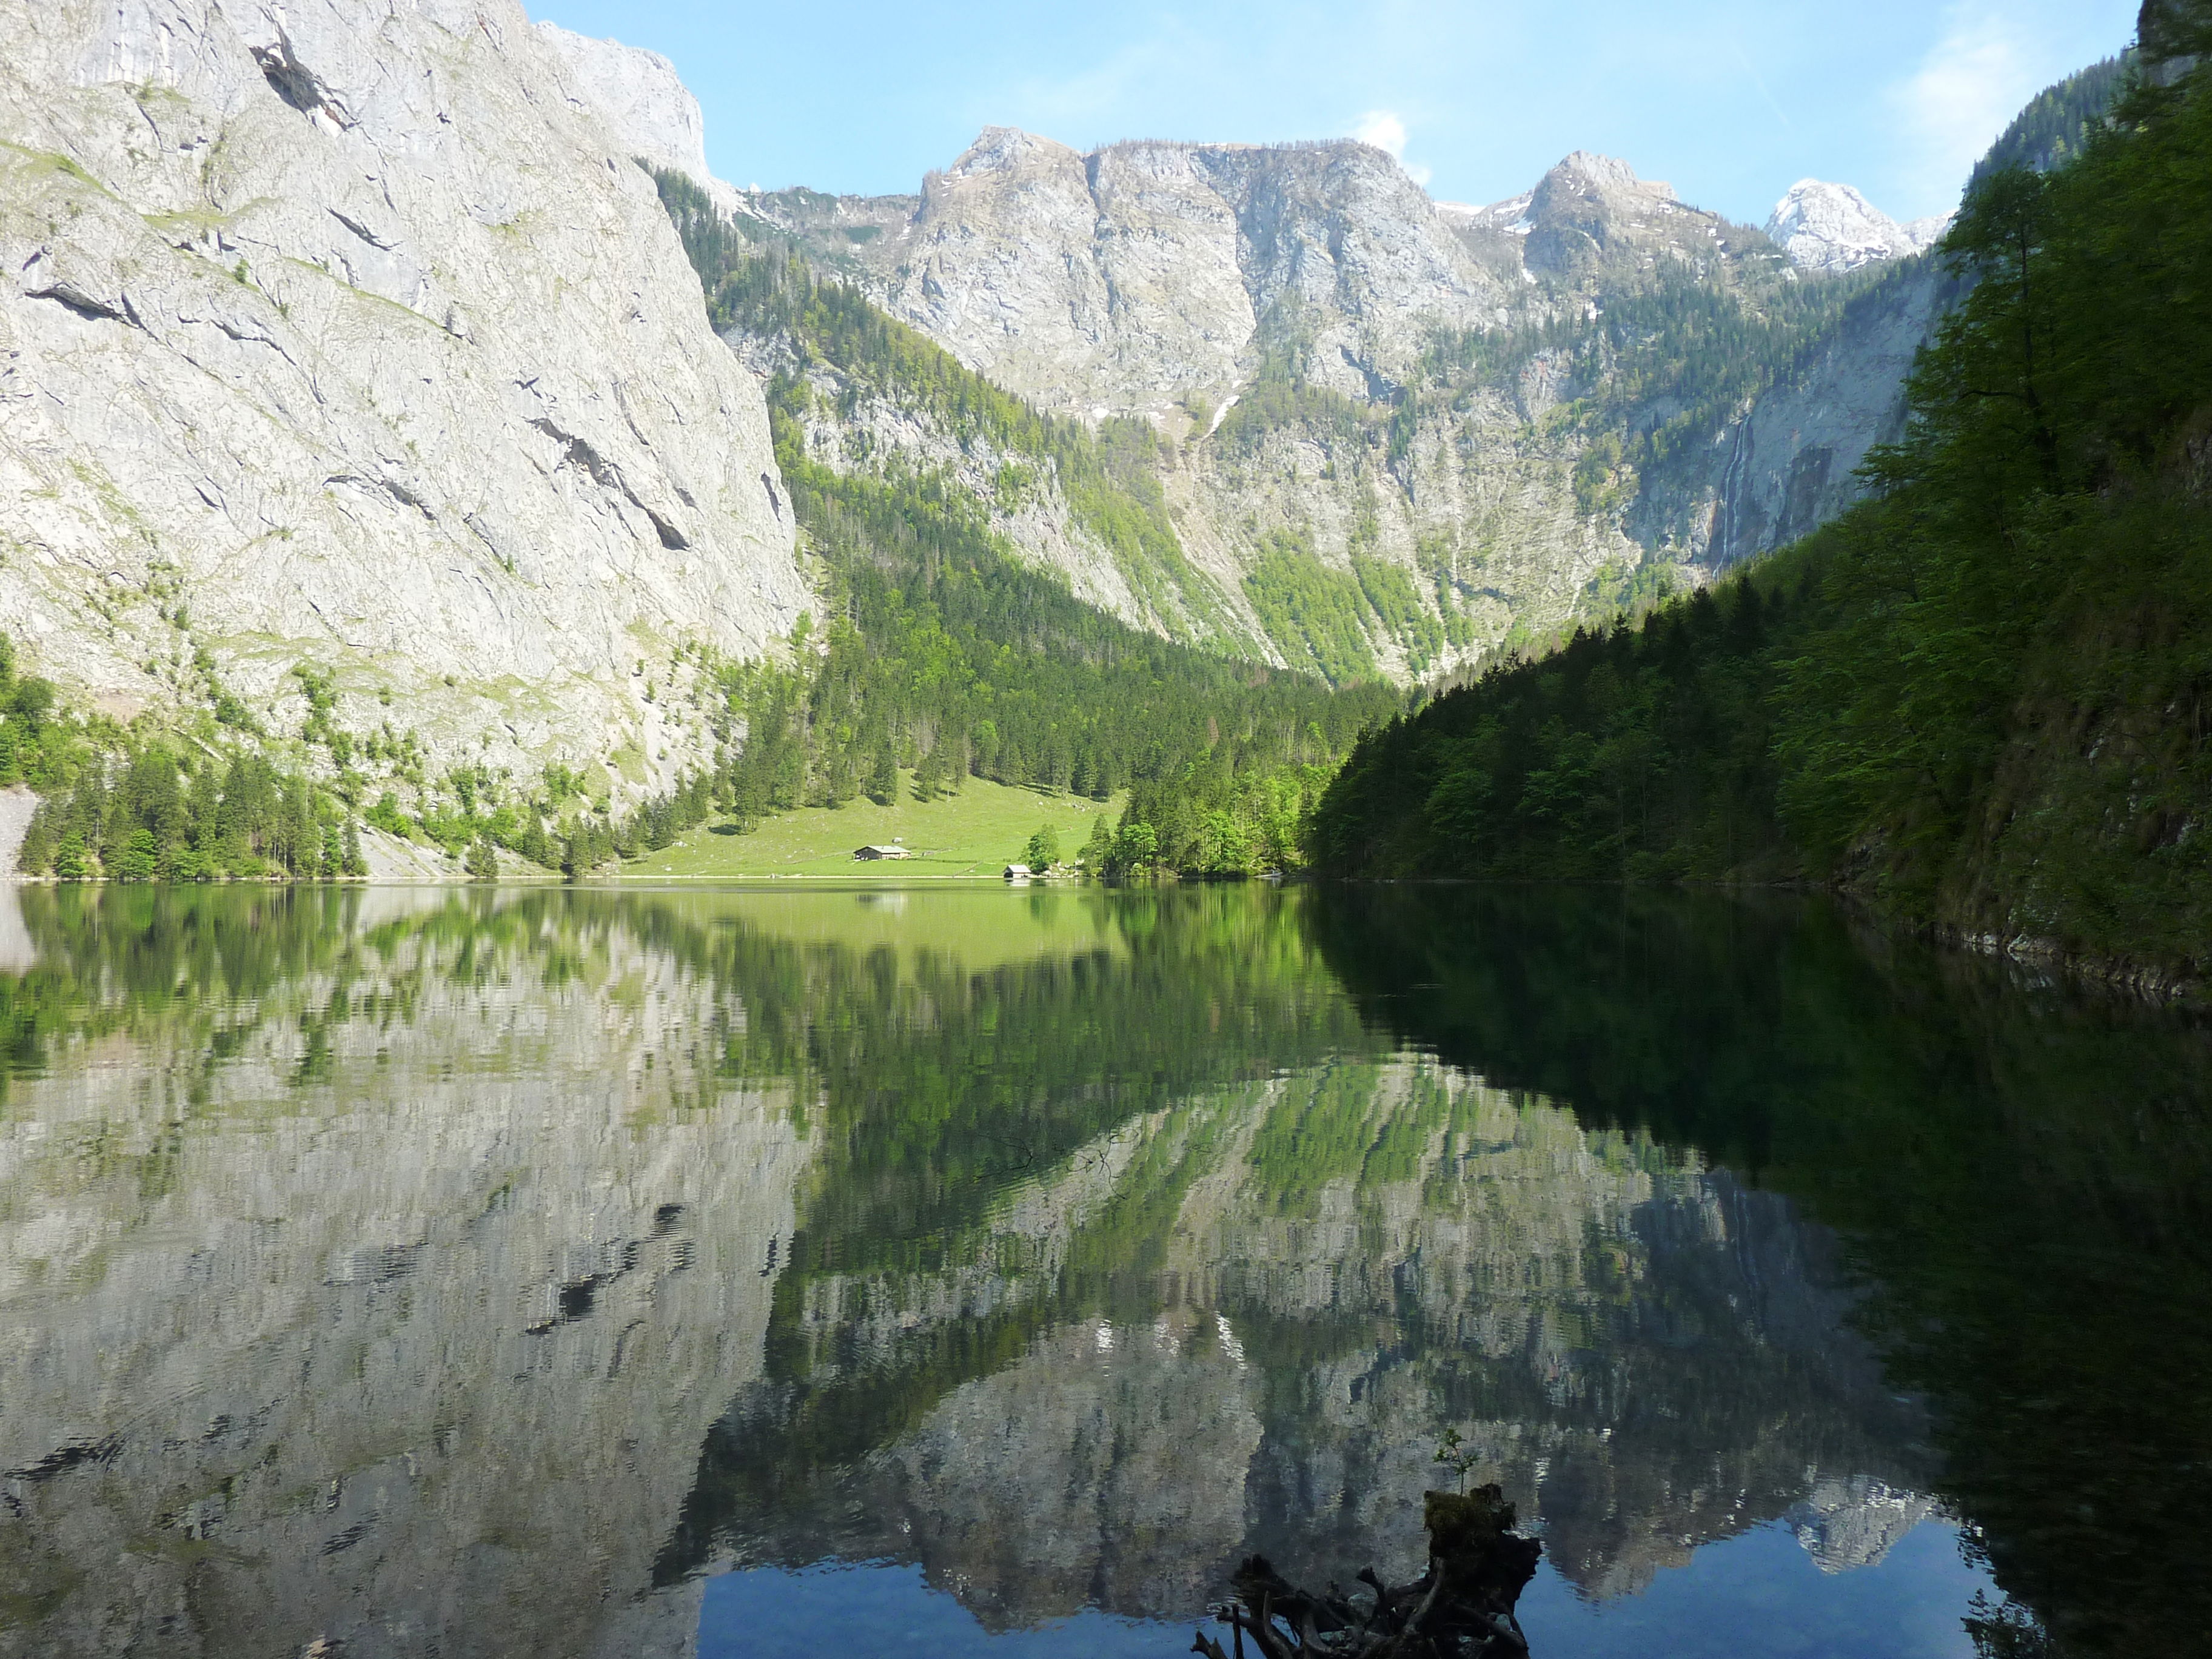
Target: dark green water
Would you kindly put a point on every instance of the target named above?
(980, 1272)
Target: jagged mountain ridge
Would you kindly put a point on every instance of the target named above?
(398, 382)
(1277, 313)
(388, 377)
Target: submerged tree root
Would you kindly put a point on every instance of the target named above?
(1461, 1608)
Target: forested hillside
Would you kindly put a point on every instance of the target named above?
(1981, 698)
(941, 651)
(2053, 127)
(116, 803)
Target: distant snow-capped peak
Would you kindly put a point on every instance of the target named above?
(1832, 228)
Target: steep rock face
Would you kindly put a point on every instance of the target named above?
(638, 95)
(1788, 463)
(349, 335)
(1410, 415)
(1832, 228)
(1131, 278)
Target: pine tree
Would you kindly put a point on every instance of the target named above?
(483, 861)
(929, 776)
(883, 781)
(1099, 849)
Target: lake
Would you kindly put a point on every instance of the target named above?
(981, 1272)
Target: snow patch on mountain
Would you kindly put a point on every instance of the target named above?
(1832, 228)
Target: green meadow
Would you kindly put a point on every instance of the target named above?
(974, 833)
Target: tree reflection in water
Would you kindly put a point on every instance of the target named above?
(367, 1252)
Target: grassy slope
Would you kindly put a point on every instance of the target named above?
(977, 832)
(969, 926)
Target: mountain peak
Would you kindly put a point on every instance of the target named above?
(1833, 227)
(1607, 173)
(1006, 150)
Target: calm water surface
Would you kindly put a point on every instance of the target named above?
(647, 1274)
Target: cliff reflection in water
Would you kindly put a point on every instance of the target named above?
(372, 1264)
(2023, 1175)
(1238, 1323)
(471, 1271)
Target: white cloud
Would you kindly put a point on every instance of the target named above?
(1384, 129)
(1972, 81)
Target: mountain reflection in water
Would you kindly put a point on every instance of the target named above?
(482, 1272)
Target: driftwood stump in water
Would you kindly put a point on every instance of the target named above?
(1461, 1608)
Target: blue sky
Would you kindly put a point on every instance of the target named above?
(1730, 100)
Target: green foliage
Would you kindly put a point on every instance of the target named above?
(1636, 753)
(1098, 850)
(1395, 603)
(1449, 1452)
(38, 743)
(945, 652)
(1281, 397)
(1980, 698)
(1043, 849)
(883, 780)
(483, 861)
(387, 816)
(1300, 600)
(127, 807)
(1208, 818)
(2055, 126)
(965, 660)
(140, 815)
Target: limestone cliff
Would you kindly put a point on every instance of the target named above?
(640, 96)
(1786, 463)
(349, 336)
(1461, 428)
(1137, 276)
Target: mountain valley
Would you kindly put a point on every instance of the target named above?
(396, 404)
(1598, 807)
(373, 406)
(1395, 435)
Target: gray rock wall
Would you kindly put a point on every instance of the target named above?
(348, 334)
(1788, 463)
(1174, 282)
